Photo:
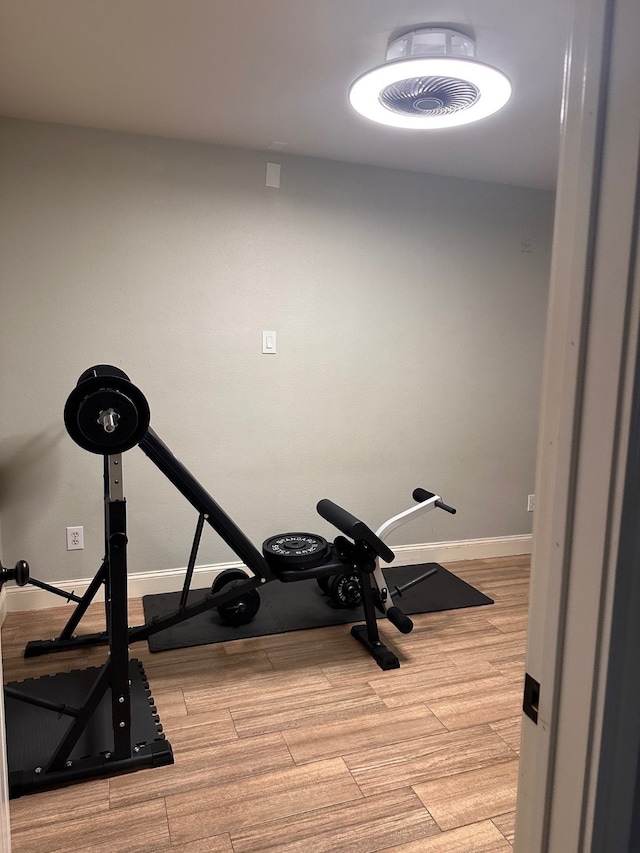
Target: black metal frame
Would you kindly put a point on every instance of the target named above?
(359, 557)
(114, 673)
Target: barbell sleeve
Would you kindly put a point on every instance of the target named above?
(398, 590)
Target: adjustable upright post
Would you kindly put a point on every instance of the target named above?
(116, 728)
(115, 672)
(116, 604)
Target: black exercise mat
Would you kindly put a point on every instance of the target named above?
(296, 606)
(33, 733)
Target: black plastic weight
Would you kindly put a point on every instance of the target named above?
(106, 413)
(225, 577)
(240, 610)
(345, 590)
(102, 370)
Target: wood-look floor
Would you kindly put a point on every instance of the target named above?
(299, 743)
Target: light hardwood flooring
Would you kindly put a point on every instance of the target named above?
(299, 743)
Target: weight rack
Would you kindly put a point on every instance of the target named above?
(114, 727)
(97, 721)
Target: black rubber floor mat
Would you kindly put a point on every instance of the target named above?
(33, 733)
(295, 606)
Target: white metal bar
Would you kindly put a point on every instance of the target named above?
(388, 527)
(408, 515)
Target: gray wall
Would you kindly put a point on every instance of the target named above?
(410, 329)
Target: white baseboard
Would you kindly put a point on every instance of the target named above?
(14, 598)
(466, 549)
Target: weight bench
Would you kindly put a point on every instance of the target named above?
(106, 414)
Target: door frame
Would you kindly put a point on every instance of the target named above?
(580, 557)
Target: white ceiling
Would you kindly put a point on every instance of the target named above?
(249, 72)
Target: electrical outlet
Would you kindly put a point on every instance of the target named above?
(531, 503)
(75, 538)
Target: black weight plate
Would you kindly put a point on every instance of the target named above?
(102, 370)
(225, 576)
(345, 590)
(296, 549)
(105, 399)
(240, 610)
(93, 395)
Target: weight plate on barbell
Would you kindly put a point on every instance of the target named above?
(225, 576)
(240, 610)
(289, 550)
(97, 395)
(346, 590)
(102, 370)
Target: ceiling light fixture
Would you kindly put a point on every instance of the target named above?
(430, 79)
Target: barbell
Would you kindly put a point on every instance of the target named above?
(106, 413)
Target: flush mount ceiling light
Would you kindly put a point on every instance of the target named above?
(430, 79)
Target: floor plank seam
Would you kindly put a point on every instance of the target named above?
(493, 821)
(427, 810)
(166, 817)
